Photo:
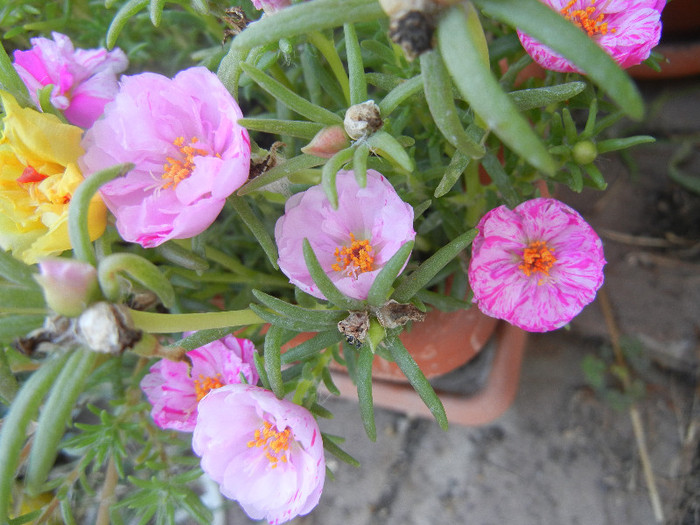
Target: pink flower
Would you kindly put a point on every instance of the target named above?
(264, 452)
(84, 80)
(270, 6)
(535, 266)
(189, 151)
(626, 29)
(175, 391)
(352, 243)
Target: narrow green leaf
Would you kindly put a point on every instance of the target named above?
(125, 12)
(596, 176)
(15, 423)
(181, 256)
(294, 128)
(155, 11)
(18, 299)
(500, 178)
(605, 146)
(356, 69)
(399, 94)
(44, 96)
(312, 347)
(16, 271)
(260, 367)
(10, 80)
(327, 48)
(256, 227)
(273, 363)
(569, 126)
(359, 164)
(156, 323)
(229, 71)
(305, 17)
(201, 6)
(338, 452)
(328, 382)
(459, 37)
(330, 170)
(388, 147)
(18, 326)
(324, 283)
(417, 379)
(454, 171)
(287, 168)
(78, 231)
(438, 93)
(321, 318)
(364, 391)
(383, 282)
(426, 271)
(287, 323)
(549, 27)
(137, 268)
(55, 416)
(289, 98)
(525, 99)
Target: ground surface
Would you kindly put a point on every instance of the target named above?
(562, 454)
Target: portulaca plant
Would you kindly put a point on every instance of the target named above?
(206, 207)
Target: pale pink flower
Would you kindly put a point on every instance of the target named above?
(175, 391)
(84, 80)
(535, 266)
(270, 6)
(626, 29)
(265, 453)
(352, 243)
(69, 286)
(189, 154)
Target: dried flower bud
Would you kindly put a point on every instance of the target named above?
(327, 142)
(354, 327)
(107, 328)
(69, 286)
(394, 314)
(361, 120)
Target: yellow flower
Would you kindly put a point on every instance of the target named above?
(38, 176)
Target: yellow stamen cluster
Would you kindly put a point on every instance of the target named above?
(585, 19)
(537, 257)
(175, 171)
(273, 442)
(204, 385)
(356, 258)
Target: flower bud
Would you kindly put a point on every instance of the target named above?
(327, 142)
(584, 152)
(69, 286)
(361, 120)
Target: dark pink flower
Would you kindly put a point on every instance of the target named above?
(84, 80)
(175, 391)
(270, 6)
(353, 242)
(189, 152)
(626, 29)
(535, 266)
(265, 453)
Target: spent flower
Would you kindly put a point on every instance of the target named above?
(83, 80)
(626, 29)
(536, 266)
(265, 453)
(189, 154)
(353, 242)
(175, 390)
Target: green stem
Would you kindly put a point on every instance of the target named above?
(78, 231)
(174, 323)
(328, 50)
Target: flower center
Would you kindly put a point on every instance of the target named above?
(537, 257)
(174, 170)
(354, 259)
(273, 442)
(204, 385)
(586, 19)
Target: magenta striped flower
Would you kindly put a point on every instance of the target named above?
(265, 453)
(175, 390)
(626, 29)
(535, 266)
